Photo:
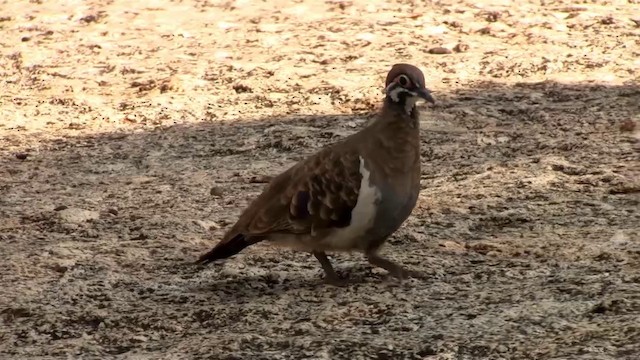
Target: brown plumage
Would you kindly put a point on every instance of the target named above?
(349, 196)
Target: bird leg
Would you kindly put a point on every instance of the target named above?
(331, 277)
(394, 269)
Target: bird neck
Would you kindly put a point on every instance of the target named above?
(402, 113)
(395, 137)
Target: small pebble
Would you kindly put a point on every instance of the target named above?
(89, 18)
(140, 338)
(439, 50)
(242, 88)
(260, 179)
(607, 20)
(130, 118)
(207, 225)
(461, 47)
(141, 236)
(77, 216)
(493, 16)
(628, 125)
(216, 191)
(485, 31)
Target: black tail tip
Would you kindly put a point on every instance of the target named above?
(225, 249)
(205, 259)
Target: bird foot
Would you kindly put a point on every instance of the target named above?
(330, 275)
(394, 269)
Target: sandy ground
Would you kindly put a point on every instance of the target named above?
(133, 134)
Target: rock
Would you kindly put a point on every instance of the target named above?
(260, 179)
(216, 191)
(485, 247)
(485, 31)
(568, 169)
(461, 47)
(62, 266)
(141, 236)
(611, 306)
(493, 16)
(607, 20)
(625, 188)
(207, 225)
(628, 125)
(77, 215)
(619, 238)
(242, 88)
(439, 51)
(451, 245)
(140, 338)
(142, 179)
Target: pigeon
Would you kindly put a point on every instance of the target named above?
(350, 196)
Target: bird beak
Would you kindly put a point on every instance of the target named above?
(425, 94)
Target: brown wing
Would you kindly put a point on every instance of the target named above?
(316, 194)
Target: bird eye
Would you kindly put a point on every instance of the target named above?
(403, 80)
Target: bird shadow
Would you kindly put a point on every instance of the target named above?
(272, 282)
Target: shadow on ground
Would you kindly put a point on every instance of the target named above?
(527, 222)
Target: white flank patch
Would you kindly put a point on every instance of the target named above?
(362, 215)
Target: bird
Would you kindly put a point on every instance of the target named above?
(350, 196)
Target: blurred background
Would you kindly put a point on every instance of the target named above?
(182, 61)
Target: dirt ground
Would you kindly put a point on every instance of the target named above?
(133, 133)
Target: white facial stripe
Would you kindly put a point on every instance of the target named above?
(410, 101)
(395, 92)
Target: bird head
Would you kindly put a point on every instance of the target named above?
(405, 86)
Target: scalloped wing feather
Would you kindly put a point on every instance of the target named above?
(316, 194)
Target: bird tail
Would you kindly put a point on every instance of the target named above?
(228, 248)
